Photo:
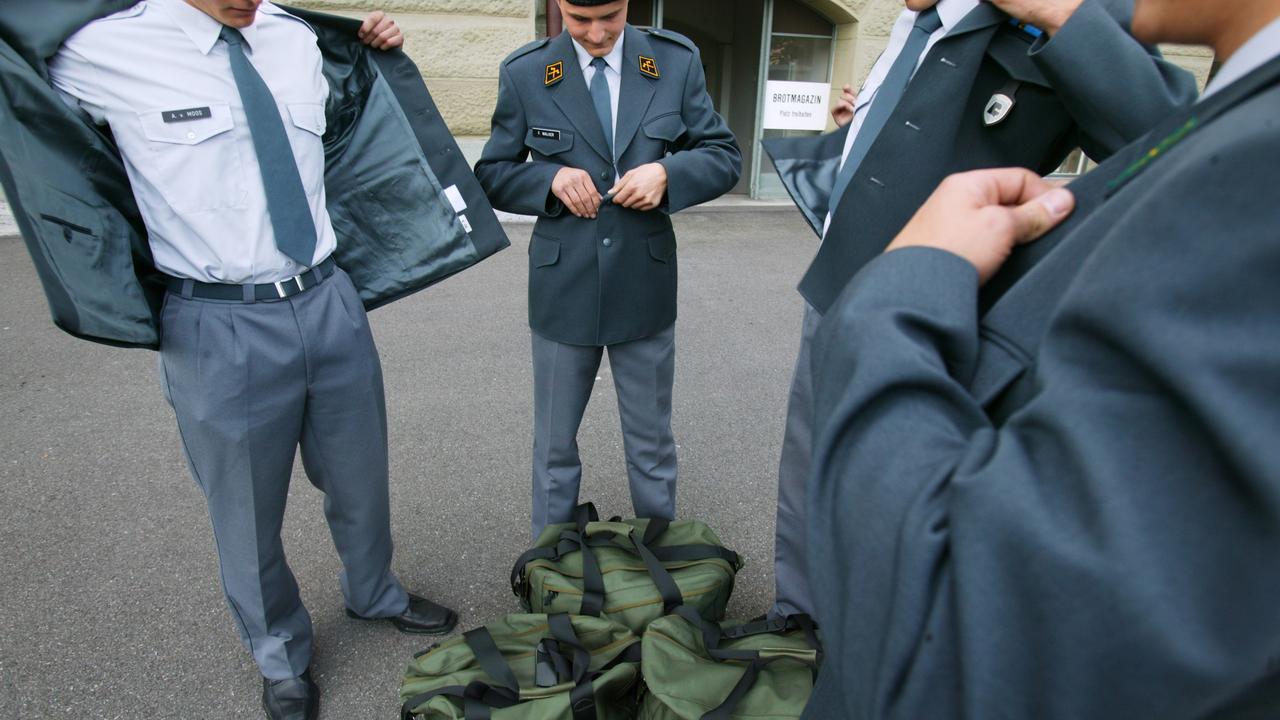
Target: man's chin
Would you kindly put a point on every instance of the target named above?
(240, 18)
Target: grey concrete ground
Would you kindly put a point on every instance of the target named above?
(111, 605)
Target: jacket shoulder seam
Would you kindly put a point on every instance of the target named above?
(525, 50)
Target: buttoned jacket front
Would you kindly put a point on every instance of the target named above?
(611, 279)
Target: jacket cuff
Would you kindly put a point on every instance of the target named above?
(936, 283)
(1088, 25)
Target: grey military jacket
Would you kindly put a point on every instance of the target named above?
(611, 279)
(1093, 85)
(1059, 496)
(388, 160)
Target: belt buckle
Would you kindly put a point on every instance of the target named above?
(296, 280)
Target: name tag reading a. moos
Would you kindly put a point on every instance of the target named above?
(177, 116)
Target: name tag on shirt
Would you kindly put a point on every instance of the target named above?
(177, 116)
(546, 134)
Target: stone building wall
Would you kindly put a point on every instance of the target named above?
(458, 45)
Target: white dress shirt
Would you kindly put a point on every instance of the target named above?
(613, 73)
(160, 77)
(951, 12)
(1255, 53)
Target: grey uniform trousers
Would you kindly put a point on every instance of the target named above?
(790, 569)
(563, 378)
(248, 383)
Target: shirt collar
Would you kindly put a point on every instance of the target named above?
(614, 58)
(1260, 48)
(203, 30)
(951, 12)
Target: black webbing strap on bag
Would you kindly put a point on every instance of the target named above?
(713, 636)
(481, 699)
(593, 590)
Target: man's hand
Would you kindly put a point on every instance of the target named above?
(982, 215)
(642, 188)
(576, 190)
(380, 32)
(843, 111)
(1048, 15)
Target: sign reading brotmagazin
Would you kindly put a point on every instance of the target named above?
(796, 105)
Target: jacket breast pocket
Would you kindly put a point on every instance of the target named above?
(667, 129)
(548, 142)
(194, 163)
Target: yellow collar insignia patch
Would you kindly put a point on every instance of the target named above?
(649, 67)
(555, 72)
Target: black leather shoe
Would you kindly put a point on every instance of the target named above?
(422, 617)
(293, 699)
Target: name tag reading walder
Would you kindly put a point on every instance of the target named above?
(177, 116)
(546, 134)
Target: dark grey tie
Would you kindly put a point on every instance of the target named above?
(886, 99)
(291, 219)
(603, 102)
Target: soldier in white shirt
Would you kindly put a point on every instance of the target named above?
(218, 110)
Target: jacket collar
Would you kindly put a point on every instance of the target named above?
(983, 16)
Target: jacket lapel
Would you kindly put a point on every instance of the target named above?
(637, 89)
(571, 95)
(980, 18)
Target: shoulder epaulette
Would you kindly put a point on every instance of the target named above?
(135, 10)
(672, 36)
(525, 50)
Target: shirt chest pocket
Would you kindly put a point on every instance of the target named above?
(306, 132)
(193, 160)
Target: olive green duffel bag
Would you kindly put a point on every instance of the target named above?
(697, 670)
(629, 571)
(528, 667)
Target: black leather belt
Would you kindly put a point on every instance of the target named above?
(252, 293)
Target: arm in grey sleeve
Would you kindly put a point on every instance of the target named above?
(1109, 551)
(708, 163)
(512, 184)
(1115, 88)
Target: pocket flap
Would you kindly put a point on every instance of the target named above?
(543, 251)
(187, 132)
(309, 117)
(541, 143)
(667, 127)
(662, 246)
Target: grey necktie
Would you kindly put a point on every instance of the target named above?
(604, 103)
(886, 99)
(291, 219)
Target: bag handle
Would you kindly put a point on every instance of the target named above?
(479, 699)
(590, 532)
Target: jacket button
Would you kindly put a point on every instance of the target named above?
(608, 242)
(605, 175)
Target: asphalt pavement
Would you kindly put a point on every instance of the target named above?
(111, 603)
